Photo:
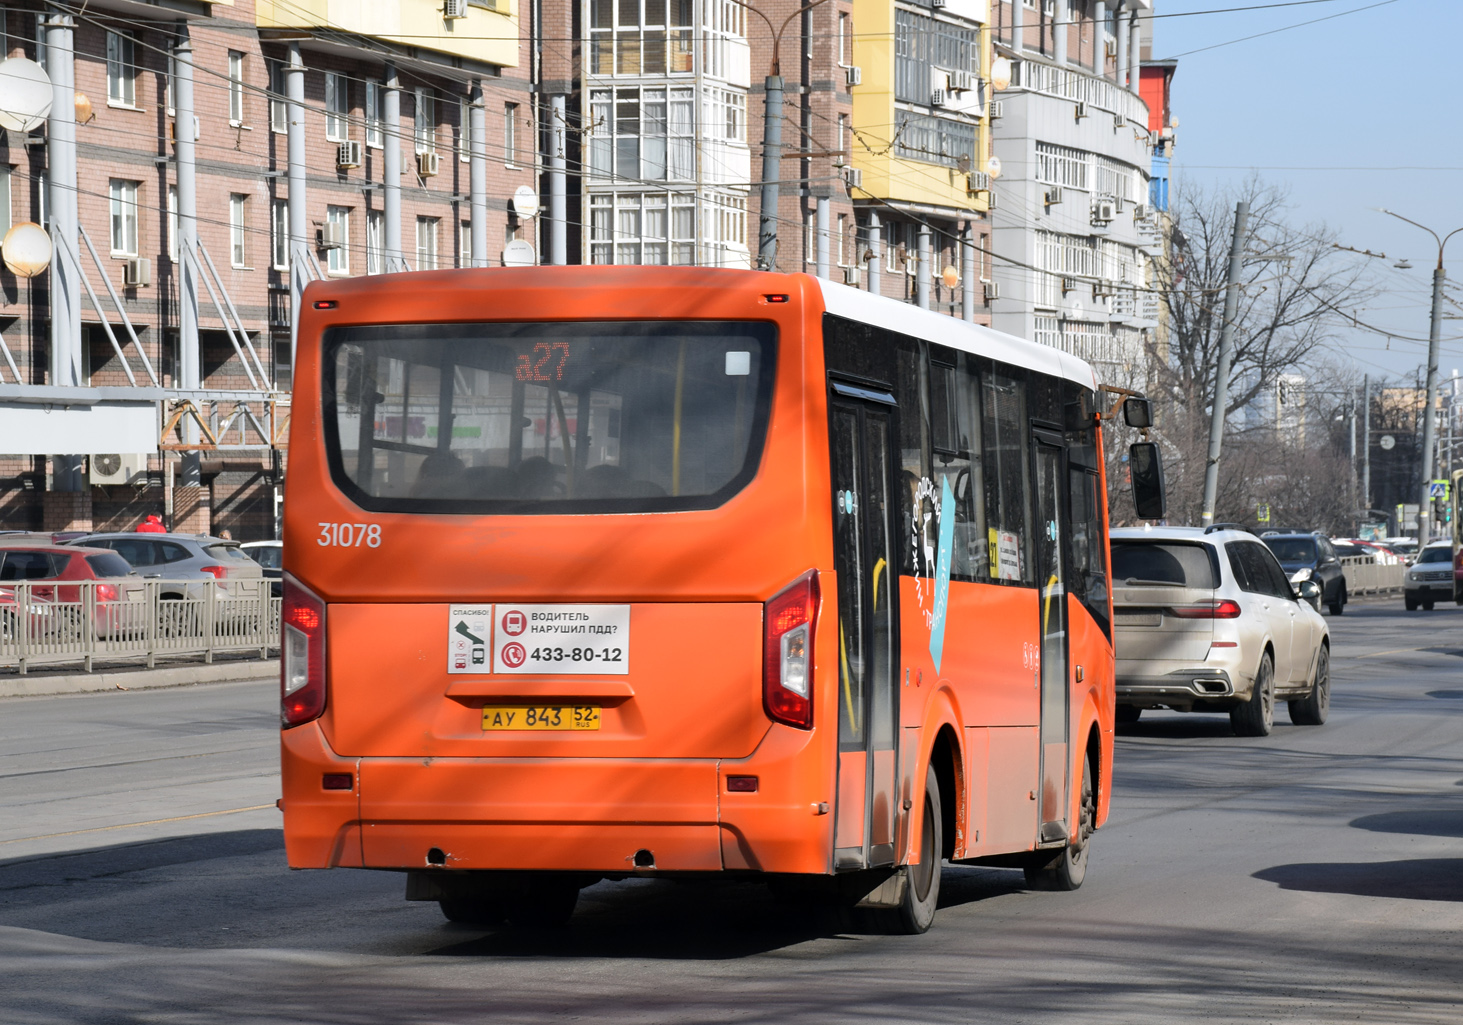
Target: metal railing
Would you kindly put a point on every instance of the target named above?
(51, 622)
(1097, 93)
(1366, 576)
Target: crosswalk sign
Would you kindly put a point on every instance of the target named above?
(1438, 489)
(1263, 514)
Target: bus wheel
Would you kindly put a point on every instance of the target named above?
(922, 881)
(1069, 868)
(1127, 713)
(544, 901)
(472, 911)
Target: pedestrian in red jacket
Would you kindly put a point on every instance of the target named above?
(152, 525)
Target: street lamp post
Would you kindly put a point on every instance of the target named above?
(1429, 428)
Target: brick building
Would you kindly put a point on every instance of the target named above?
(126, 359)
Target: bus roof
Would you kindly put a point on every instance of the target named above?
(893, 315)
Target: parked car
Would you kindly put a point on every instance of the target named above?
(1430, 580)
(1403, 546)
(1207, 621)
(182, 557)
(1311, 557)
(270, 556)
(54, 572)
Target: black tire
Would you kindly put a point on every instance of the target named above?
(921, 882)
(1411, 603)
(472, 911)
(1311, 710)
(1257, 715)
(543, 902)
(1338, 606)
(1127, 714)
(1068, 869)
(1427, 606)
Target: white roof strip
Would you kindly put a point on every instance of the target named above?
(856, 304)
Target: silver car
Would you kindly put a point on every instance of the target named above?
(184, 557)
(1430, 578)
(1206, 621)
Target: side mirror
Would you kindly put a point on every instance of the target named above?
(1309, 590)
(1145, 466)
(1138, 412)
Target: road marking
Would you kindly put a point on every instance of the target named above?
(1378, 654)
(132, 825)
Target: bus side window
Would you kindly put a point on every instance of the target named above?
(1087, 576)
(956, 448)
(911, 389)
(1007, 475)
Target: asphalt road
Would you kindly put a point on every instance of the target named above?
(1312, 876)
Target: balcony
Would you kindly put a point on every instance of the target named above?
(488, 35)
(1079, 87)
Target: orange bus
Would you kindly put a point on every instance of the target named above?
(597, 572)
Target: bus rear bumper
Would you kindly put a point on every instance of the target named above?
(596, 815)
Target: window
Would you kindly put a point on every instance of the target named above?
(375, 242)
(5, 213)
(464, 244)
(175, 246)
(123, 196)
(279, 234)
(464, 131)
(922, 44)
(512, 446)
(934, 140)
(338, 221)
(810, 237)
(278, 108)
(427, 243)
(171, 79)
(236, 88)
(643, 228)
(643, 134)
(1008, 487)
(375, 113)
(238, 229)
(424, 125)
(337, 107)
(1180, 563)
(510, 133)
(1088, 568)
(121, 69)
(1061, 165)
(842, 50)
(631, 37)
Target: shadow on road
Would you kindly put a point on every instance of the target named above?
(1422, 822)
(1171, 727)
(1422, 879)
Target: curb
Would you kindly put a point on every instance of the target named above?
(36, 685)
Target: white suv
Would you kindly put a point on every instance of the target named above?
(1206, 621)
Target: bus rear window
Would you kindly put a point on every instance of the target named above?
(547, 418)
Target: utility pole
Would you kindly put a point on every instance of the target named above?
(1226, 356)
(1430, 401)
(772, 87)
(1366, 443)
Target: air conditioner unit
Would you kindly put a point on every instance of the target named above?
(118, 468)
(348, 154)
(1154, 139)
(1111, 48)
(854, 177)
(998, 110)
(1079, 110)
(137, 273)
(1101, 290)
(990, 199)
(332, 236)
(937, 97)
(1117, 205)
(853, 75)
(1053, 195)
(428, 164)
(961, 81)
(938, 3)
(992, 291)
(1140, 211)
(1103, 212)
(1118, 122)
(977, 181)
(454, 10)
(1069, 285)
(850, 276)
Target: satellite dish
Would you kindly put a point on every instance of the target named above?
(27, 249)
(518, 253)
(25, 94)
(525, 201)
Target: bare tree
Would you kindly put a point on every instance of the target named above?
(1293, 288)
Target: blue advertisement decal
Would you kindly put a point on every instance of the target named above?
(942, 570)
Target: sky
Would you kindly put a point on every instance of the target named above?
(1345, 114)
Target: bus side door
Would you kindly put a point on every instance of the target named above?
(1055, 691)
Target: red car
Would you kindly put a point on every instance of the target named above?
(50, 569)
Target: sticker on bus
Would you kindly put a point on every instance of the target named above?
(468, 629)
(562, 640)
(1005, 554)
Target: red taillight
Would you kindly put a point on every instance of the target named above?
(302, 655)
(1221, 609)
(106, 592)
(217, 572)
(788, 621)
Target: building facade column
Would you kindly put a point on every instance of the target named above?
(60, 32)
(391, 167)
(190, 356)
(967, 252)
(875, 254)
(1060, 30)
(922, 268)
(1135, 57)
(1120, 30)
(820, 231)
(478, 175)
